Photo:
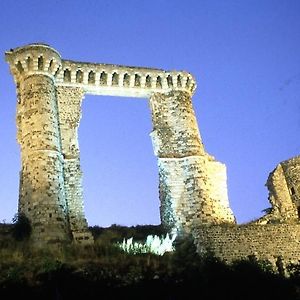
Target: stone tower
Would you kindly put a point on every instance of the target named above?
(192, 184)
(46, 168)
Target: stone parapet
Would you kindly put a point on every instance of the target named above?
(96, 78)
(116, 80)
(33, 59)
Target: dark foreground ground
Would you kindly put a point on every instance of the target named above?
(104, 272)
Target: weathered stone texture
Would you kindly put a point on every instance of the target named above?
(193, 186)
(267, 242)
(291, 168)
(50, 91)
(175, 130)
(69, 104)
(284, 192)
(42, 196)
(273, 237)
(193, 191)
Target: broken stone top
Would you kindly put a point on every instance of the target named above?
(93, 78)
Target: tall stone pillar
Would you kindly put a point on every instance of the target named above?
(42, 191)
(69, 103)
(192, 185)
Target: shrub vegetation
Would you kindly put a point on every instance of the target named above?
(103, 271)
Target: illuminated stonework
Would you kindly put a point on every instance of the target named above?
(284, 192)
(274, 237)
(193, 188)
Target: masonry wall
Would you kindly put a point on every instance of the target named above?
(69, 115)
(192, 184)
(267, 242)
(42, 194)
(291, 168)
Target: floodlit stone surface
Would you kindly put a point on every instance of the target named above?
(275, 236)
(192, 184)
(284, 193)
(50, 178)
(271, 242)
(50, 90)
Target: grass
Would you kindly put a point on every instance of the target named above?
(103, 271)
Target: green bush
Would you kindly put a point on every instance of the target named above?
(22, 228)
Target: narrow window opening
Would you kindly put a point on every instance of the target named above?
(158, 82)
(29, 63)
(56, 72)
(20, 67)
(67, 75)
(170, 81)
(79, 76)
(50, 65)
(115, 79)
(179, 83)
(126, 80)
(188, 82)
(137, 80)
(41, 63)
(91, 77)
(148, 81)
(103, 78)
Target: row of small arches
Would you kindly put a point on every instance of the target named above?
(41, 65)
(150, 82)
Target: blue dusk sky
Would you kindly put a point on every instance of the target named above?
(244, 55)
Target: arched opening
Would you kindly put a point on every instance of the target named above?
(79, 76)
(137, 80)
(20, 67)
(67, 75)
(188, 82)
(120, 176)
(179, 81)
(29, 63)
(148, 81)
(126, 80)
(158, 82)
(115, 78)
(91, 77)
(41, 63)
(103, 78)
(51, 64)
(170, 81)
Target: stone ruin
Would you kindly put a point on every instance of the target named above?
(50, 90)
(192, 184)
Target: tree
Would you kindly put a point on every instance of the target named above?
(22, 227)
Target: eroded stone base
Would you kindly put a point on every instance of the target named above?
(193, 191)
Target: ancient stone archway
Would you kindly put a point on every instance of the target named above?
(192, 184)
